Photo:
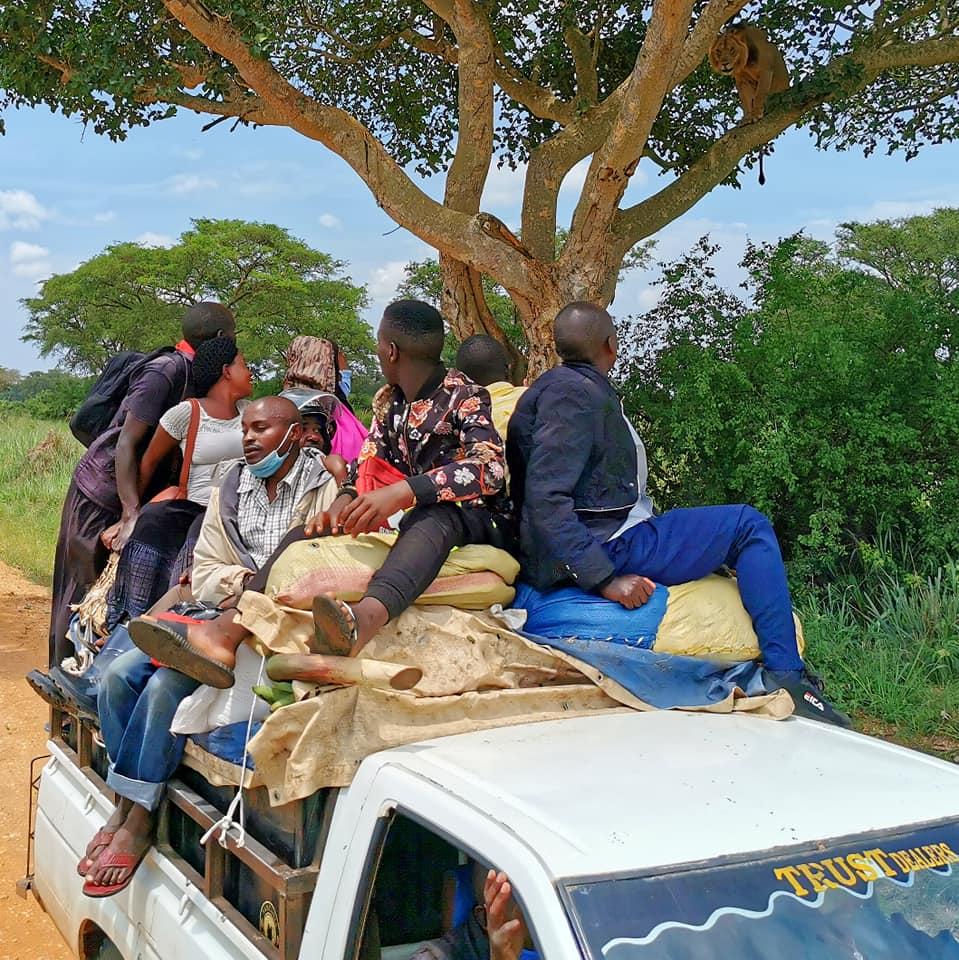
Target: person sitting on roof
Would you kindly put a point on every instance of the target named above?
(318, 415)
(104, 487)
(276, 486)
(313, 363)
(442, 462)
(579, 484)
(486, 362)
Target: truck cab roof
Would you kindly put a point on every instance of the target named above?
(628, 791)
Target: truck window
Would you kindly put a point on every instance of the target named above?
(420, 890)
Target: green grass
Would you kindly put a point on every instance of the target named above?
(887, 641)
(37, 458)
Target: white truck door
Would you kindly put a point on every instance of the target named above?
(388, 892)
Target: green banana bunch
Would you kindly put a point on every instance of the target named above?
(278, 694)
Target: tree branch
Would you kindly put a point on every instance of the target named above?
(474, 142)
(647, 217)
(583, 135)
(616, 160)
(459, 234)
(584, 65)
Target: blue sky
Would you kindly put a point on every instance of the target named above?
(66, 193)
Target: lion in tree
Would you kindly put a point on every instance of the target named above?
(757, 66)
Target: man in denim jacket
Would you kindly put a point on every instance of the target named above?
(579, 484)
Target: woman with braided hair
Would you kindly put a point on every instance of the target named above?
(148, 559)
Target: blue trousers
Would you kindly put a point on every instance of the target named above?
(686, 544)
(136, 704)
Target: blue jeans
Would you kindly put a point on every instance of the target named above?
(686, 544)
(136, 703)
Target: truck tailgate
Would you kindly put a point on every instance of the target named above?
(173, 918)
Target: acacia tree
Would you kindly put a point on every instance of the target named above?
(133, 297)
(452, 85)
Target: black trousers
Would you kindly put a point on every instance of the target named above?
(426, 535)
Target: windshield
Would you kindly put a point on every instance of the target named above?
(889, 897)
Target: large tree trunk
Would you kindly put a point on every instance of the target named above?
(465, 308)
(594, 280)
(552, 285)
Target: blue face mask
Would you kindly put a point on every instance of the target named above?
(272, 462)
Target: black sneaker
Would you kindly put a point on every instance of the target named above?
(806, 691)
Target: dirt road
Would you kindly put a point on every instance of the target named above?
(26, 933)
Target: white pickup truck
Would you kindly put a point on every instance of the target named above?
(626, 835)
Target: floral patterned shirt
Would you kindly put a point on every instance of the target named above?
(444, 442)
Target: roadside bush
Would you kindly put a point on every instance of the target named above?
(829, 405)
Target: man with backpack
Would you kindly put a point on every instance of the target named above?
(129, 402)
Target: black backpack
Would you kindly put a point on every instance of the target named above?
(101, 404)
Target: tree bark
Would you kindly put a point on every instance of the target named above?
(595, 283)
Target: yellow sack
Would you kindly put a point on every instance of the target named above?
(473, 577)
(706, 618)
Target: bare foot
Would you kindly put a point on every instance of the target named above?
(215, 640)
(104, 836)
(370, 616)
(130, 842)
(219, 638)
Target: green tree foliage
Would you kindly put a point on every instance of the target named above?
(46, 394)
(832, 403)
(132, 297)
(450, 86)
(8, 377)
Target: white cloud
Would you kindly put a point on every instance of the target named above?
(151, 239)
(189, 183)
(259, 187)
(108, 216)
(504, 188)
(30, 260)
(894, 209)
(21, 252)
(21, 210)
(330, 221)
(384, 280)
(647, 298)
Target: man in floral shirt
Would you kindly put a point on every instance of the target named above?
(433, 452)
(434, 428)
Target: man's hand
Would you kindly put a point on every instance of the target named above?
(631, 591)
(115, 537)
(327, 519)
(370, 511)
(504, 923)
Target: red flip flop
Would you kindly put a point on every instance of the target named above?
(101, 840)
(125, 861)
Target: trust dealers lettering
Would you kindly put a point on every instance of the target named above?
(832, 873)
